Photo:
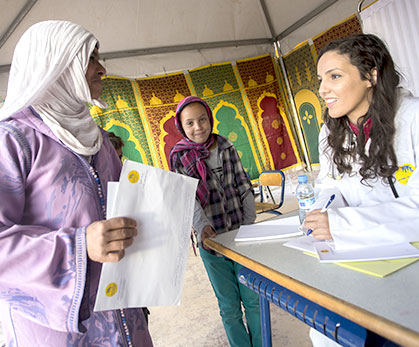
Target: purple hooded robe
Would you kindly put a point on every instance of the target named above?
(49, 195)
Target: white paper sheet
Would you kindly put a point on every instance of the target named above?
(327, 253)
(271, 229)
(303, 243)
(152, 271)
(110, 200)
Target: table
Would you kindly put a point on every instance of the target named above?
(388, 307)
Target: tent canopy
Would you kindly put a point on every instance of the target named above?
(149, 37)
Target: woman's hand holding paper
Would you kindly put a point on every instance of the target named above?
(106, 240)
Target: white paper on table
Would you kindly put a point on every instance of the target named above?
(268, 230)
(303, 243)
(327, 253)
(152, 271)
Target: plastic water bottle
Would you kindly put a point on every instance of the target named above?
(305, 196)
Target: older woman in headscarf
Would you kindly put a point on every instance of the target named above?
(55, 166)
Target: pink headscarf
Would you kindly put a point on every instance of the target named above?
(190, 154)
(185, 102)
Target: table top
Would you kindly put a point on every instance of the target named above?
(388, 306)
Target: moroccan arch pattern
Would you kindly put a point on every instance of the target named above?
(159, 97)
(302, 75)
(261, 90)
(218, 86)
(300, 64)
(123, 118)
(246, 100)
(142, 113)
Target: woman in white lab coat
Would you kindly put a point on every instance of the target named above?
(369, 148)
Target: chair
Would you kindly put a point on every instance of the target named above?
(268, 179)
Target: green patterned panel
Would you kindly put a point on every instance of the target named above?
(123, 118)
(218, 86)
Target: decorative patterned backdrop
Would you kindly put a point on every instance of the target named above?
(348, 27)
(142, 113)
(123, 118)
(246, 101)
(263, 96)
(302, 75)
(300, 64)
(159, 97)
(218, 86)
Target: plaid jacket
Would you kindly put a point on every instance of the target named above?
(225, 208)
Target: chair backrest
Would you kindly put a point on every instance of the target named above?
(273, 178)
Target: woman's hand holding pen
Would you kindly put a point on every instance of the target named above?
(318, 221)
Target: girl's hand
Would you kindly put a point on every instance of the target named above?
(106, 240)
(207, 232)
(319, 223)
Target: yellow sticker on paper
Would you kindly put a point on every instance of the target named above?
(111, 289)
(133, 176)
(404, 172)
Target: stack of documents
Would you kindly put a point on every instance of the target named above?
(327, 253)
(269, 230)
(377, 261)
(152, 271)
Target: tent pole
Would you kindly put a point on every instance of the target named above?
(359, 7)
(305, 19)
(293, 107)
(173, 49)
(267, 18)
(358, 13)
(16, 21)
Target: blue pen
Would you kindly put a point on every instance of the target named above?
(324, 209)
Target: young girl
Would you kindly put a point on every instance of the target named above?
(369, 147)
(225, 200)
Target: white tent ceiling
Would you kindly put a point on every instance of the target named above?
(149, 37)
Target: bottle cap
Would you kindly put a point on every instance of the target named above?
(302, 179)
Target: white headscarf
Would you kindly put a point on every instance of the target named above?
(48, 72)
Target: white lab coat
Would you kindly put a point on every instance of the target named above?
(373, 216)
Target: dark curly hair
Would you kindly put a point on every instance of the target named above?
(367, 52)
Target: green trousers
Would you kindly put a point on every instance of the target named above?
(222, 273)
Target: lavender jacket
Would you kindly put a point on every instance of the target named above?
(48, 195)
